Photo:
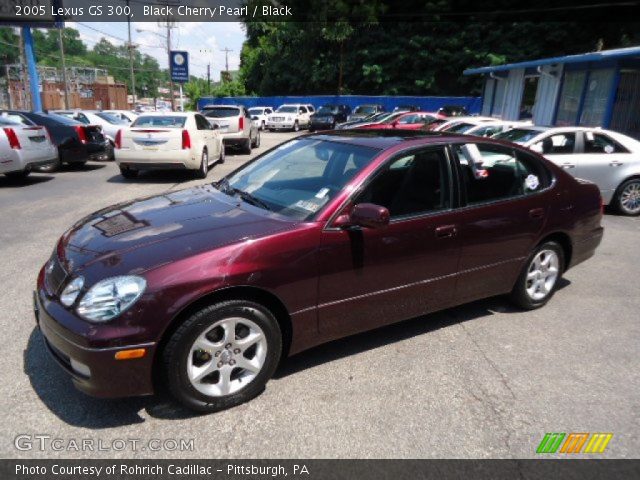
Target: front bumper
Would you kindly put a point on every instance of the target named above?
(280, 125)
(94, 371)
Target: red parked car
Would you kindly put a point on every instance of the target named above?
(408, 121)
(326, 235)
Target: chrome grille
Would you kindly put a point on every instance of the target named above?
(277, 119)
(55, 274)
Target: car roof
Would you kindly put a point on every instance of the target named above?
(385, 138)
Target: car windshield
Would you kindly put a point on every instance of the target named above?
(255, 111)
(7, 122)
(367, 109)
(460, 127)
(327, 110)
(298, 178)
(221, 112)
(518, 135)
(111, 118)
(168, 121)
(287, 110)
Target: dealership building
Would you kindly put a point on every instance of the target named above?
(591, 89)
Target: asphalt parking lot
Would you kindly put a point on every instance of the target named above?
(480, 381)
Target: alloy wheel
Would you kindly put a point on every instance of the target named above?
(226, 357)
(630, 198)
(542, 274)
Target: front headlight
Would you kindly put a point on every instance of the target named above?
(110, 297)
(71, 291)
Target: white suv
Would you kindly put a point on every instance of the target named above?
(289, 117)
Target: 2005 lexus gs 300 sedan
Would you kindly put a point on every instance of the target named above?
(204, 290)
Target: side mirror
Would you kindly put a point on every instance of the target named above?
(215, 126)
(537, 147)
(367, 215)
(394, 124)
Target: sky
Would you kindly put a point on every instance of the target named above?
(203, 41)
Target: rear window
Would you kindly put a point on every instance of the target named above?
(221, 112)
(111, 118)
(53, 119)
(167, 121)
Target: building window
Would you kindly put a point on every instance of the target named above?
(570, 98)
(596, 97)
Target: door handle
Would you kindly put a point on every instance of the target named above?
(615, 163)
(446, 231)
(536, 213)
(568, 165)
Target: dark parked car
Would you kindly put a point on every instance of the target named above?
(407, 108)
(204, 290)
(365, 111)
(77, 143)
(453, 111)
(328, 116)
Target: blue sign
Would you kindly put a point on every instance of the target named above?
(179, 66)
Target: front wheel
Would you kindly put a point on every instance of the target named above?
(627, 199)
(539, 278)
(222, 355)
(296, 126)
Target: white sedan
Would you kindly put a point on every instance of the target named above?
(183, 141)
(609, 159)
(24, 147)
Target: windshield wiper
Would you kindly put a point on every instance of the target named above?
(224, 187)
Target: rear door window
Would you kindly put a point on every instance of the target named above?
(491, 173)
(600, 143)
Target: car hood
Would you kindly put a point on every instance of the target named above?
(162, 228)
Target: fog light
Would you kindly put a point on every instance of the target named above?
(80, 368)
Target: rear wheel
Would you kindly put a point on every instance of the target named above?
(204, 165)
(223, 355)
(50, 168)
(223, 153)
(628, 197)
(247, 146)
(127, 172)
(539, 278)
(256, 141)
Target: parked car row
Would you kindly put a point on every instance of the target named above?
(44, 141)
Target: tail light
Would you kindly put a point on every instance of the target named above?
(118, 139)
(241, 123)
(186, 140)
(82, 133)
(13, 138)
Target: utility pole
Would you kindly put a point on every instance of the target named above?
(64, 70)
(169, 27)
(226, 58)
(133, 77)
(208, 78)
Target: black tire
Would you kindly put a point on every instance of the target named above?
(296, 126)
(519, 295)
(52, 167)
(262, 126)
(204, 165)
(18, 175)
(223, 154)
(621, 204)
(256, 141)
(127, 172)
(175, 355)
(246, 148)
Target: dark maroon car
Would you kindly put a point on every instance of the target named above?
(204, 290)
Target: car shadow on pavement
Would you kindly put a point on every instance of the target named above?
(55, 389)
(397, 332)
(33, 179)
